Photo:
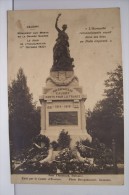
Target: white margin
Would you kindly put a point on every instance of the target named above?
(20, 189)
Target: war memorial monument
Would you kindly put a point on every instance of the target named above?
(62, 101)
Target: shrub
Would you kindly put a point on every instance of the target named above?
(48, 168)
(65, 155)
(102, 155)
(42, 139)
(64, 140)
(85, 149)
(55, 145)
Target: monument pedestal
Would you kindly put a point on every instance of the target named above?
(62, 107)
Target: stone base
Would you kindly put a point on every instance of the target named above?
(74, 137)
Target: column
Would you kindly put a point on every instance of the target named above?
(43, 116)
(83, 119)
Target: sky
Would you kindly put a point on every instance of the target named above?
(93, 56)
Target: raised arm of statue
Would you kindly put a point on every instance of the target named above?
(56, 24)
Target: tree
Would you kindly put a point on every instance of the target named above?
(106, 120)
(114, 90)
(24, 118)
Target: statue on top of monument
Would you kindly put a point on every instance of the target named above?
(61, 54)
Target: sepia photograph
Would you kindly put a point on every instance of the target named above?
(65, 97)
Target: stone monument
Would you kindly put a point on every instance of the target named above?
(62, 101)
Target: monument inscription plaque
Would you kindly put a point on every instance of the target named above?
(63, 118)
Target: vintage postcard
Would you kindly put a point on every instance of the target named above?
(65, 91)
